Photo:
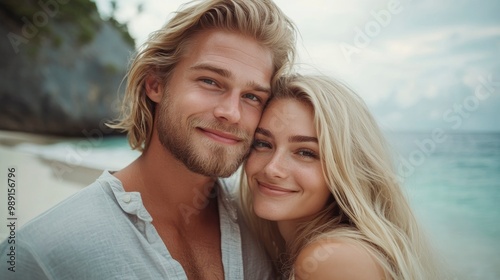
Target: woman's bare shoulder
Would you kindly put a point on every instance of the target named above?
(336, 259)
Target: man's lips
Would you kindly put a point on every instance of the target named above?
(273, 190)
(221, 136)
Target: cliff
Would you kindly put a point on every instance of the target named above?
(61, 66)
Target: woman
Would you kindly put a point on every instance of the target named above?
(320, 191)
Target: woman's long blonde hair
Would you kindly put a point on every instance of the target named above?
(368, 205)
(258, 19)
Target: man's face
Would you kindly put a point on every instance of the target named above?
(213, 102)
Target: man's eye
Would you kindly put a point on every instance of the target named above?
(209, 82)
(252, 97)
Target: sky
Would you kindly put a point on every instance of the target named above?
(419, 65)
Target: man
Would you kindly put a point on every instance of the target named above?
(194, 97)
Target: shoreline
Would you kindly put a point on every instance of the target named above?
(40, 182)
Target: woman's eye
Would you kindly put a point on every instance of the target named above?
(259, 144)
(307, 153)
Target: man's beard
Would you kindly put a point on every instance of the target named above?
(202, 156)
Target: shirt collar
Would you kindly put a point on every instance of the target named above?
(131, 202)
(226, 199)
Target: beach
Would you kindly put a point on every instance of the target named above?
(39, 182)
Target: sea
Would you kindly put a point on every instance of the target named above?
(452, 181)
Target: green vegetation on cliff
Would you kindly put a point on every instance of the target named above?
(41, 15)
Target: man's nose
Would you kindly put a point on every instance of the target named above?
(229, 108)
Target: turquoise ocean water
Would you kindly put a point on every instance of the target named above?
(453, 182)
(454, 187)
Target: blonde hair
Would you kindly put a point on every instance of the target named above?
(258, 19)
(368, 206)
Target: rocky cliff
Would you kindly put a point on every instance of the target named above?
(61, 66)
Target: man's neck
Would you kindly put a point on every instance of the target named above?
(170, 192)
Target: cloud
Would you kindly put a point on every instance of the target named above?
(427, 58)
(154, 15)
(461, 107)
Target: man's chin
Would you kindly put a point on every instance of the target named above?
(217, 167)
(228, 174)
(212, 172)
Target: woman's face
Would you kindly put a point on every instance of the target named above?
(284, 166)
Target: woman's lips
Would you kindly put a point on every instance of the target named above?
(273, 190)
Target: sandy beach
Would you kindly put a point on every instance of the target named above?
(40, 183)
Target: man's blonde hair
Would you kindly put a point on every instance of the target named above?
(259, 19)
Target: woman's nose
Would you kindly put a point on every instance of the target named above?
(277, 167)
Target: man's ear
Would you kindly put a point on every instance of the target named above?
(153, 89)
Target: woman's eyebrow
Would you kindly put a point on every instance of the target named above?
(264, 132)
(301, 138)
(293, 138)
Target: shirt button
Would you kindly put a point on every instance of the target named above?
(126, 198)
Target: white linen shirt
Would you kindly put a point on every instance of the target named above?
(103, 232)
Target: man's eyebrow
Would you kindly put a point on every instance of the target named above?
(260, 88)
(220, 71)
(301, 138)
(227, 74)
